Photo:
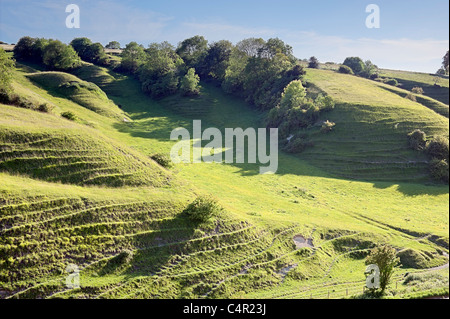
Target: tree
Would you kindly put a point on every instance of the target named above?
(217, 60)
(189, 84)
(6, 66)
(113, 45)
(385, 257)
(193, 51)
(38, 49)
(313, 63)
(23, 50)
(59, 56)
(356, 64)
(94, 53)
(445, 63)
(251, 47)
(132, 57)
(293, 96)
(160, 73)
(369, 70)
(81, 45)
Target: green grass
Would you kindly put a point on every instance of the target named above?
(248, 252)
(409, 80)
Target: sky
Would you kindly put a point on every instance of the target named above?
(413, 34)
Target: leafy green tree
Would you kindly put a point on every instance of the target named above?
(216, 60)
(445, 63)
(6, 67)
(132, 57)
(160, 74)
(113, 45)
(313, 63)
(81, 46)
(38, 49)
(23, 50)
(356, 64)
(293, 96)
(59, 56)
(385, 257)
(251, 47)
(95, 53)
(370, 70)
(193, 51)
(190, 83)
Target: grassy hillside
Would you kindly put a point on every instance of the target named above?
(372, 121)
(299, 233)
(84, 93)
(434, 86)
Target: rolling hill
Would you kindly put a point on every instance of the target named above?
(86, 192)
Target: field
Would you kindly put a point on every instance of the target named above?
(86, 192)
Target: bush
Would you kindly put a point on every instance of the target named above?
(345, 70)
(439, 170)
(203, 208)
(417, 140)
(385, 257)
(327, 126)
(355, 63)
(392, 82)
(297, 145)
(313, 63)
(69, 115)
(163, 160)
(44, 107)
(438, 148)
(411, 97)
(417, 90)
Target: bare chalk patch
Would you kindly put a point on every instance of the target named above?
(302, 242)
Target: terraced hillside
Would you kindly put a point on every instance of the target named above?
(54, 149)
(372, 121)
(86, 193)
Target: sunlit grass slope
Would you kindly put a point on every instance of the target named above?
(135, 242)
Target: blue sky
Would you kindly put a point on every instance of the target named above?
(414, 35)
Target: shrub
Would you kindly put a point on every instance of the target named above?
(189, 85)
(162, 159)
(44, 107)
(297, 145)
(313, 63)
(385, 257)
(203, 208)
(69, 115)
(411, 97)
(417, 140)
(327, 126)
(438, 148)
(439, 169)
(355, 63)
(392, 82)
(345, 70)
(417, 90)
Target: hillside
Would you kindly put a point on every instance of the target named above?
(86, 192)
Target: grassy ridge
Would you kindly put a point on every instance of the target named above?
(369, 141)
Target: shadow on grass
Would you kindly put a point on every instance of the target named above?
(155, 250)
(156, 120)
